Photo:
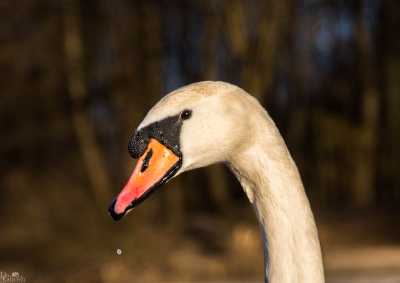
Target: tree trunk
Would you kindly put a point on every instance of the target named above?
(85, 133)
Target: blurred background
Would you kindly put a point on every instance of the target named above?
(78, 76)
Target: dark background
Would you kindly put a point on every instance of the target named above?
(78, 76)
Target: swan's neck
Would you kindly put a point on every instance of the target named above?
(272, 183)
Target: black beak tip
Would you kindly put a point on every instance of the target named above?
(112, 212)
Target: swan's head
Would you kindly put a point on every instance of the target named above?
(192, 127)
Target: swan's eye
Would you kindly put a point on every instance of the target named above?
(186, 114)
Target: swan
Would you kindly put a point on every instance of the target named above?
(210, 122)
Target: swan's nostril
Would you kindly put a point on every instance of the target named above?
(146, 160)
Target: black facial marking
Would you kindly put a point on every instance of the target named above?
(166, 131)
(146, 160)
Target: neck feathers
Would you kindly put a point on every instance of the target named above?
(273, 185)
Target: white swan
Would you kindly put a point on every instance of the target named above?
(210, 122)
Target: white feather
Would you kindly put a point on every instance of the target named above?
(228, 125)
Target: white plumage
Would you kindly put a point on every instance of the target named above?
(228, 125)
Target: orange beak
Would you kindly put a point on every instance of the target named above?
(157, 164)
